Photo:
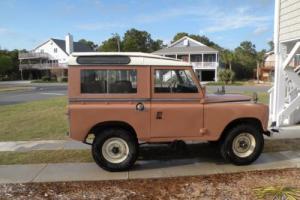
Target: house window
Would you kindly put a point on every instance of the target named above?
(196, 58)
(174, 81)
(42, 50)
(209, 58)
(55, 50)
(108, 81)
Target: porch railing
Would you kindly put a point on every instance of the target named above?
(201, 65)
(42, 66)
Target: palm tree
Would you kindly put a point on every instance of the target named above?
(260, 57)
(227, 58)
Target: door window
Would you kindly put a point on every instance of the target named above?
(174, 81)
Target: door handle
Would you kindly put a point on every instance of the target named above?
(140, 107)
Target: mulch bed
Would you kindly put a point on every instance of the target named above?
(221, 186)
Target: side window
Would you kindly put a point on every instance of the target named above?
(174, 81)
(108, 81)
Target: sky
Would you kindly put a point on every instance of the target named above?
(24, 24)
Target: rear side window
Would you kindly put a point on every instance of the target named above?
(108, 81)
(174, 81)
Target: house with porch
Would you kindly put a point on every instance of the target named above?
(51, 57)
(205, 60)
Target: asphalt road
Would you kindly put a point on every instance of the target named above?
(39, 91)
(33, 92)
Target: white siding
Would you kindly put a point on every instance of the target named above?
(289, 23)
(49, 47)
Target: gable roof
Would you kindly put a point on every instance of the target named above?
(186, 38)
(176, 48)
(77, 46)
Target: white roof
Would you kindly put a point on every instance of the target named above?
(136, 58)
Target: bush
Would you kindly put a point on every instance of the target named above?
(62, 79)
(46, 78)
(226, 75)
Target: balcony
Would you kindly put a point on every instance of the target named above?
(205, 65)
(32, 55)
(42, 66)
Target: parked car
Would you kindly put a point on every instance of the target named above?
(123, 99)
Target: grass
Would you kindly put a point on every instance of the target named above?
(37, 120)
(44, 119)
(236, 83)
(35, 157)
(13, 89)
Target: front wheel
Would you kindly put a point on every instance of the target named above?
(242, 145)
(115, 149)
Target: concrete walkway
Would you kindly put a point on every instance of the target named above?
(142, 169)
(23, 146)
(291, 132)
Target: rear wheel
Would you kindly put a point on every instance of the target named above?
(242, 145)
(115, 149)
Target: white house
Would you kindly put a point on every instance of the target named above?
(51, 56)
(205, 60)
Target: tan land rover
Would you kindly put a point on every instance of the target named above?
(123, 99)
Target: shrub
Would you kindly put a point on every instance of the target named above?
(62, 79)
(46, 78)
(225, 75)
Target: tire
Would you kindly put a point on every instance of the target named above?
(235, 147)
(115, 149)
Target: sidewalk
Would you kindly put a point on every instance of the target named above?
(23, 146)
(292, 132)
(142, 169)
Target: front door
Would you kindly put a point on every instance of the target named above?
(176, 108)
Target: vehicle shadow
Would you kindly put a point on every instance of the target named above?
(163, 155)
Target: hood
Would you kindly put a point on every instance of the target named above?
(218, 98)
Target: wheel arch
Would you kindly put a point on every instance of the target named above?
(250, 120)
(97, 128)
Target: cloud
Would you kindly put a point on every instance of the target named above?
(214, 19)
(260, 30)
(4, 30)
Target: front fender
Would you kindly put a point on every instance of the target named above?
(218, 115)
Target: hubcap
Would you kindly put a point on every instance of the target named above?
(115, 150)
(243, 145)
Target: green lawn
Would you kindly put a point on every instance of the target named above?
(37, 120)
(34, 157)
(44, 119)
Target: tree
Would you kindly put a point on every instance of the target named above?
(260, 57)
(141, 41)
(179, 35)
(89, 43)
(245, 62)
(113, 44)
(6, 64)
(271, 45)
(203, 39)
(225, 75)
(227, 57)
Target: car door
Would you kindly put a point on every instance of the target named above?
(176, 108)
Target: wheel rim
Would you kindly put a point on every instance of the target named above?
(243, 145)
(115, 150)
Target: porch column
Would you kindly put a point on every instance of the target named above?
(189, 57)
(202, 60)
